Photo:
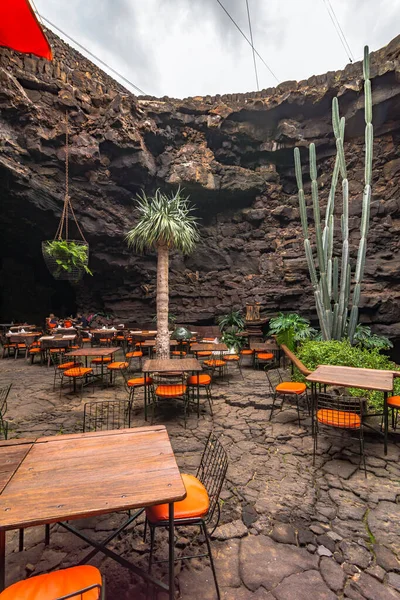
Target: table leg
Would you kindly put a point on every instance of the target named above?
(145, 396)
(385, 420)
(3, 559)
(171, 552)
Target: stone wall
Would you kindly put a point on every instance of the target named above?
(233, 154)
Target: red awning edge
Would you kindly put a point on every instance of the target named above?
(21, 30)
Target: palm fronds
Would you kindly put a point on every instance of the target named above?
(164, 220)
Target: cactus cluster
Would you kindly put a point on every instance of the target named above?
(332, 285)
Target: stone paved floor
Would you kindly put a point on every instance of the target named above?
(288, 530)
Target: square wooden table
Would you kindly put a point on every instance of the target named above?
(93, 352)
(365, 379)
(77, 476)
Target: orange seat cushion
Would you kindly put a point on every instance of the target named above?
(215, 363)
(34, 350)
(77, 371)
(202, 380)
(139, 381)
(101, 359)
(394, 401)
(170, 391)
(291, 387)
(231, 357)
(68, 365)
(196, 503)
(339, 418)
(21, 345)
(119, 337)
(104, 340)
(178, 353)
(85, 340)
(204, 353)
(118, 365)
(136, 354)
(247, 352)
(57, 584)
(56, 350)
(264, 356)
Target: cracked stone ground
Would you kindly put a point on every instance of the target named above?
(288, 530)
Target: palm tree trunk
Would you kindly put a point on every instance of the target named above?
(162, 343)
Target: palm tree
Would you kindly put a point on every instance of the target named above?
(165, 224)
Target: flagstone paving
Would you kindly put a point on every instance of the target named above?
(288, 530)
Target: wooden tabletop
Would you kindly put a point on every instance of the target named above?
(93, 351)
(152, 343)
(262, 346)
(81, 475)
(365, 379)
(201, 347)
(166, 365)
(99, 331)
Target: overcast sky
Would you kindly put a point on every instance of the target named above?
(185, 48)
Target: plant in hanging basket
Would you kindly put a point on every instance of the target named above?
(66, 259)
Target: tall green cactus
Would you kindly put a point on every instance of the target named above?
(331, 290)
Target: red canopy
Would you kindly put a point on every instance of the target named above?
(20, 29)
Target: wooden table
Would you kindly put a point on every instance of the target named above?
(264, 346)
(150, 345)
(93, 352)
(169, 365)
(66, 477)
(200, 347)
(365, 379)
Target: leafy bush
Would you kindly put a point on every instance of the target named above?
(364, 338)
(334, 352)
(291, 329)
(232, 321)
(232, 340)
(68, 255)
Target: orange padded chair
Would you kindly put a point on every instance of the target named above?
(77, 583)
(169, 388)
(341, 413)
(134, 354)
(278, 387)
(393, 404)
(201, 502)
(204, 382)
(116, 366)
(77, 373)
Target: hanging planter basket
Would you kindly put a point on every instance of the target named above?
(65, 258)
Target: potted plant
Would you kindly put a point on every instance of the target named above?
(231, 325)
(67, 259)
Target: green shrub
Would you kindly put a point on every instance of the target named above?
(290, 329)
(334, 352)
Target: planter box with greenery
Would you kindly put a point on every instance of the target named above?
(66, 259)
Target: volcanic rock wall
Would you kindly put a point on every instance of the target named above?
(233, 154)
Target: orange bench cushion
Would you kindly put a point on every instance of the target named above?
(339, 418)
(202, 379)
(139, 381)
(57, 584)
(170, 391)
(118, 365)
(394, 401)
(77, 372)
(196, 503)
(291, 387)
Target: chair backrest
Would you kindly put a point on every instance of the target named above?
(104, 415)
(212, 470)
(274, 378)
(4, 391)
(336, 406)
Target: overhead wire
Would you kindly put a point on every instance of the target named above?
(247, 40)
(339, 30)
(138, 89)
(252, 45)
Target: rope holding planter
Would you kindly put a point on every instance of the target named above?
(66, 259)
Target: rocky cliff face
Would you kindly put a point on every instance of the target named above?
(233, 154)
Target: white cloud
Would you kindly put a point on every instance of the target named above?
(190, 47)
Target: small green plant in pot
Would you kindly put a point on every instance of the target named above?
(233, 321)
(291, 329)
(232, 340)
(67, 259)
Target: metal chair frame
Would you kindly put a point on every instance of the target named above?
(192, 389)
(103, 415)
(274, 378)
(211, 472)
(4, 391)
(237, 362)
(335, 403)
(79, 593)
